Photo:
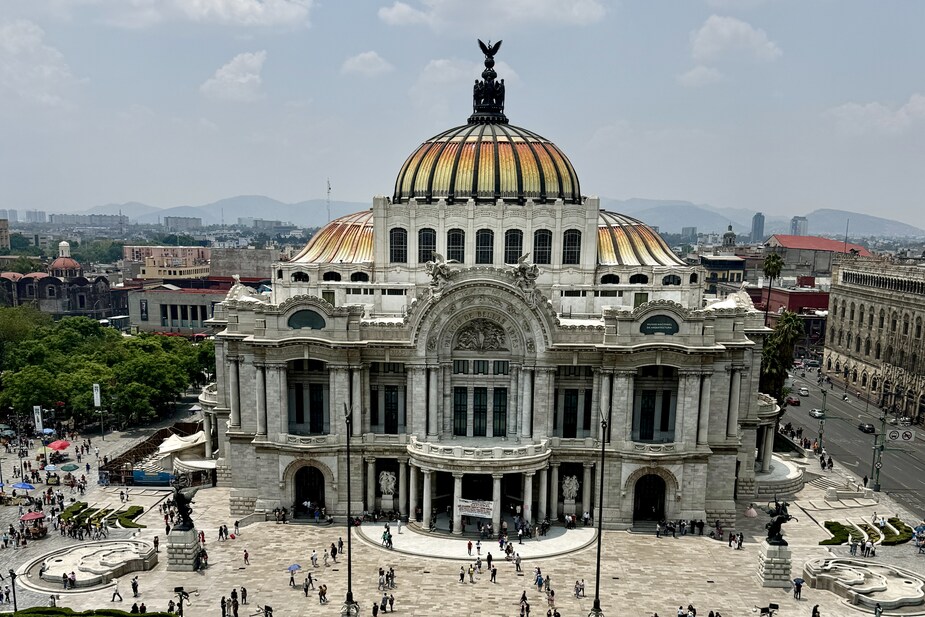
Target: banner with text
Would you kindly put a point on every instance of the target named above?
(37, 415)
(474, 507)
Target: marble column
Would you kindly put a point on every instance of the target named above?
(703, 424)
(413, 494)
(513, 403)
(233, 382)
(261, 394)
(528, 496)
(768, 447)
(496, 501)
(457, 495)
(283, 399)
(621, 405)
(688, 405)
(426, 506)
(403, 486)
(356, 399)
(207, 429)
(732, 419)
(432, 395)
(371, 483)
(554, 487)
(526, 409)
(586, 489)
(541, 512)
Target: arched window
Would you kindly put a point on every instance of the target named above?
(905, 325)
(877, 352)
(639, 279)
(427, 244)
(51, 292)
(359, 277)
(857, 345)
(513, 245)
(894, 321)
(610, 279)
(331, 276)
(456, 245)
(694, 278)
(861, 314)
(306, 319)
(542, 246)
(571, 247)
(867, 347)
(851, 314)
(882, 315)
(864, 380)
(398, 245)
(484, 246)
(299, 277)
(918, 327)
(671, 279)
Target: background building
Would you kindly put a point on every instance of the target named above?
(477, 323)
(4, 234)
(799, 226)
(875, 335)
(758, 228)
(182, 223)
(809, 255)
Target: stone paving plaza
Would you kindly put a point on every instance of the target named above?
(641, 574)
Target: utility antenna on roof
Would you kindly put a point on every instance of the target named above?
(328, 200)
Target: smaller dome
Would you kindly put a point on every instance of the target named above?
(11, 276)
(64, 263)
(348, 239)
(625, 241)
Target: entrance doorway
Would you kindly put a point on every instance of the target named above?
(309, 486)
(649, 498)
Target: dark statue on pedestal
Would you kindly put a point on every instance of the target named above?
(487, 93)
(775, 529)
(183, 499)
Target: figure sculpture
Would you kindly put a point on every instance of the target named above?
(183, 499)
(439, 270)
(487, 93)
(570, 487)
(387, 483)
(525, 273)
(775, 529)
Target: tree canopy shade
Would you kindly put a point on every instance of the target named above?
(773, 265)
(777, 355)
(45, 363)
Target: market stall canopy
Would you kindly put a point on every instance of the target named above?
(175, 443)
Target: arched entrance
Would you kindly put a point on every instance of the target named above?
(309, 486)
(649, 498)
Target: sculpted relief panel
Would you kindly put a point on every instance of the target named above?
(481, 335)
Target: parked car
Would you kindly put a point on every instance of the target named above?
(803, 391)
(816, 413)
(793, 400)
(866, 427)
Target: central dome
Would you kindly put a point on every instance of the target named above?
(487, 159)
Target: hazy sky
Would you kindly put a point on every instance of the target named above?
(779, 105)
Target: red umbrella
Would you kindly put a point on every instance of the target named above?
(31, 516)
(59, 445)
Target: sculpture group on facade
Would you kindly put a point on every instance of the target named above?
(481, 335)
(387, 483)
(439, 271)
(570, 486)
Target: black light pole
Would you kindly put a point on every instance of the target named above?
(350, 606)
(13, 576)
(596, 609)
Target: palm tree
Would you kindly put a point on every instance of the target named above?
(777, 355)
(773, 265)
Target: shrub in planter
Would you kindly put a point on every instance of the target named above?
(905, 533)
(127, 519)
(73, 510)
(840, 533)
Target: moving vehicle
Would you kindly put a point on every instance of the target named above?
(866, 427)
(816, 413)
(804, 391)
(793, 400)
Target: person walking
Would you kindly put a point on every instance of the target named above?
(494, 575)
(816, 612)
(247, 560)
(878, 610)
(234, 608)
(115, 592)
(797, 589)
(305, 587)
(135, 587)
(243, 594)
(292, 578)
(866, 480)
(157, 544)
(469, 548)
(391, 603)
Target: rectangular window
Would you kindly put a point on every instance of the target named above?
(316, 408)
(499, 412)
(484, 246)
(586, 419)
(480, 367)
(640, 299)
(479, 412)
(647, 416)
(374, 405)
(391, 410)
(460, 411)
(573, 293)
(461, 367)
(163, 314)
(328, 296)
(666, 412)
(502, 367)
(299, 404)
(570, 414)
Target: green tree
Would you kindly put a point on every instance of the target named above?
(25, 265)
(773, 265)
(777, 354)
(18, 324)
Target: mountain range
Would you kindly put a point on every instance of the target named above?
(670, 216)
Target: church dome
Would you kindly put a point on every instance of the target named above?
(348, 239)
(625, 241)
(487, 159)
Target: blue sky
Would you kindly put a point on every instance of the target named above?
(779, 105)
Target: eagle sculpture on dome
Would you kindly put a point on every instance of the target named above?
(489, 50)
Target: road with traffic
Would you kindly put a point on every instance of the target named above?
(902, 474)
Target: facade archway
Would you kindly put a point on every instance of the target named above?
(649, 498)
(296, 485)
(309, 490)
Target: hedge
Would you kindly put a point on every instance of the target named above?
(127, 518)
(840, 533)
(905, 533)
(73, 510)
(872, 533)
(63, 611)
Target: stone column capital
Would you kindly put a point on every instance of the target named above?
(554, 465)
(369, 459)
(588, 465)
(403, 460)
(497, 476)
(623, 372)
(529, 474)
(426, 472)
(457, 475)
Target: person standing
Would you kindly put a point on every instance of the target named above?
(878, 610)
(305, 587)
(234, 608)
(157, 544)
(797, 589)
(391, 603)
(375, 609)
(243, 594)
(340, 545)
(292, 578)
(135, 587)
(469, 547)
(224, 605)
(494, 575)
(247, 560)
(816, 612)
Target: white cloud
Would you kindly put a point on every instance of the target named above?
(368, 63)
(31, 71)
(145, 13)
(876, 117)
(239, 80)
(721, 37)
(700, 76)
(476, 13)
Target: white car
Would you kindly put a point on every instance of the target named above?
(803, 391)
(816, 413)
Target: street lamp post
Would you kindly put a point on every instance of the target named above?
(596, 609)
(822, 421)
(876, 461)
(13, 576)
(350, 607)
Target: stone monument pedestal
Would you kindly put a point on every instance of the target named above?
(568, 506)
(388, 503)
(183, 550)
(774, 563)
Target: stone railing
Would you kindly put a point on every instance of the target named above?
(209, 395)
(449, 455)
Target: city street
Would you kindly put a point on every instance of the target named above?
(903, 471)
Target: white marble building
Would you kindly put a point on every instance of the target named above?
(478, 323)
